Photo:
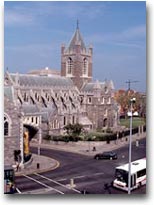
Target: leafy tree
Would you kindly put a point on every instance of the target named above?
(73, 129)
(123, 99)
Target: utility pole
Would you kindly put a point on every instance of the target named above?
(129, 82)
(132, 101)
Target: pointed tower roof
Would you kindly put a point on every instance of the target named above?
(76, 39)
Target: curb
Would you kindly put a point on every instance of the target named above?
(24, 172)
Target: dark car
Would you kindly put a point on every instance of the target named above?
(106, 155)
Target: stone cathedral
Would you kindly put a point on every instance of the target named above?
(43, 101)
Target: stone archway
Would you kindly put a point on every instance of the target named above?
(28, 133)
(32, 131)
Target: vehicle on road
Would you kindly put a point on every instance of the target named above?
(138, 175)
(106, 155)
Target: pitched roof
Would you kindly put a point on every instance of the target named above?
(84, 120)
(89, 87)
(76, 40)
(8, 92)
(29, 109)
(41, 81)
(44, 112)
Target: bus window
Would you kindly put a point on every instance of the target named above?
(122, 175)
(141, 173)
(133, 180)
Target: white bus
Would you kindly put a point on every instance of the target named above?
(138, 175)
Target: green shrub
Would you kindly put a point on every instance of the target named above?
(100, 136)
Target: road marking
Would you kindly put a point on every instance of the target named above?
(56, 182)
(82, 176)
(101, 173)
(49, 187)
(18, 191)
(79, 177)
(64, 179)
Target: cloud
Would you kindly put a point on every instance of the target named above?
(31, 56)
(135, 32)
(32, 48)
(14, 18)
(84, 9)
(30, 13)
(126, 38)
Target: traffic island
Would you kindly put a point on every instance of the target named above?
(39, 164)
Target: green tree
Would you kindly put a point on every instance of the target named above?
(73, 129)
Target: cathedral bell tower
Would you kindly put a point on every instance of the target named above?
(76, 60)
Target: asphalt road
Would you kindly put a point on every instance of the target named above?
(82, 172)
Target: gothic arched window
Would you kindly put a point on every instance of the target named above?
(6, 126)
(64, 122)
(69, 65)
(25, 97)
(85, 66)
(73, 119)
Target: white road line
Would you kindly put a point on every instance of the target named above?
(64, 179)
(42, 184)
(79, 177)
(56, 182)
(18, 191)
(82, 176)
(101, 173)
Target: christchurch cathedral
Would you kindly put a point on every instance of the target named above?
(43, 101)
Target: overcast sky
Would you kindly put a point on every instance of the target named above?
(34, 32)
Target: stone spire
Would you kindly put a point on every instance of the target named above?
(77, 24)
(76, 39)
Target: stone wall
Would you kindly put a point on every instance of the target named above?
(12, 141)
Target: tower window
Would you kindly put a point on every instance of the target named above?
(69, 65)
(89, 100)
(85, 66)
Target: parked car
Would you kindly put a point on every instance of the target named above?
(106, 155)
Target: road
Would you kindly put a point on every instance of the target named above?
(82, 172)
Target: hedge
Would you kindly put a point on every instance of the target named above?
(93, 136)
(62, 138)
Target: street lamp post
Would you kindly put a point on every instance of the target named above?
(130, 143)
(39, 137)
(21, 138)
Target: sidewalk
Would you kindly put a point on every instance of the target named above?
(39, 164)
(86, 148)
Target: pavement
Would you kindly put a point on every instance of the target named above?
(40, 163)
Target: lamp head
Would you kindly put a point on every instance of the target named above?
(133, 100)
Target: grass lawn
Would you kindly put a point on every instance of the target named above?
(135, 123)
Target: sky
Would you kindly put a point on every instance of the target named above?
(34, 32)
